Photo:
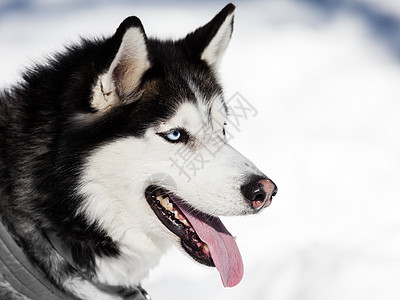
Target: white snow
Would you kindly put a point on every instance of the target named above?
(327, 92)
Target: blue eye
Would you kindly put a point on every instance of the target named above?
(174, 135)
(177, 135)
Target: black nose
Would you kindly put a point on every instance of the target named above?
(259, 192)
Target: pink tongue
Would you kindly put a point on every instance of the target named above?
(222, 245)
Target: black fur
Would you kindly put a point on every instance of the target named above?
(48, 127)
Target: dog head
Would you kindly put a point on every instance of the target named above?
(167, 172)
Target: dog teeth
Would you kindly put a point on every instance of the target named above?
(182, 219)
(165, 202)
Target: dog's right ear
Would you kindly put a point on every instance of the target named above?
(210, 41)
(125, 73)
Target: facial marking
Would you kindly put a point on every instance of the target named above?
(188, 117)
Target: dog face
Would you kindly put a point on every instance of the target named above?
(212, 182)
(167, 96)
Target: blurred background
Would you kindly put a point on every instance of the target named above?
(324, 77)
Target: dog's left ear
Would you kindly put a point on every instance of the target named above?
(210, 41)
(119, 84)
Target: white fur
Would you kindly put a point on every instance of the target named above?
(86, 290)
(215, 50)
(117, 174)
(114, 194)
(132, 57)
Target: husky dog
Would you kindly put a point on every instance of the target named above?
(89, 197)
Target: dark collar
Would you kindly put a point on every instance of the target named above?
(17, 270)
(21, 275)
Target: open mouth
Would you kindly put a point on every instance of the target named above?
(202, 236)
(165, 208)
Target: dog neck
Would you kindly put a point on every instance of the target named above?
(131, 293)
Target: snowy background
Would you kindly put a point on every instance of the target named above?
(324, 77)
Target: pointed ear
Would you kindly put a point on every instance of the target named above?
(125, 72)
(211, 40)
